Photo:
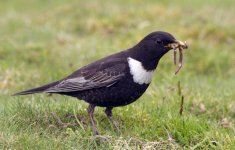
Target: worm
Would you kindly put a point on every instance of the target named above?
(180, 60)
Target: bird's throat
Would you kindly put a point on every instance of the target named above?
(139, 73)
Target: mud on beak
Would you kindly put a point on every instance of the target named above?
(178, 45)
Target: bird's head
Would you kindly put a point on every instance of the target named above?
(158, 43)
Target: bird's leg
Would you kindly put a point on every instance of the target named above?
(90, 111)
(108, 112)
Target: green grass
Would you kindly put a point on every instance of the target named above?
(43, 41)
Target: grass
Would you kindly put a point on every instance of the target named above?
(43, 41)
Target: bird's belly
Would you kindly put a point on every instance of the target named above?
(118, 95)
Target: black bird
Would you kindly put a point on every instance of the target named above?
(116, 80)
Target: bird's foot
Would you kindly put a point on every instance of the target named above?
(117, 130)
(108, 112)
(60, 123)
(95, 132)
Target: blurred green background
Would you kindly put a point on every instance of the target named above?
(43, 41)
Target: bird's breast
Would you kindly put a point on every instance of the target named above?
(139, 73)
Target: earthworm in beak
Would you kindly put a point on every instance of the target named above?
(175, 56)
(180, 45)
(180, 61)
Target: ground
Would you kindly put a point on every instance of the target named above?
(43, 41)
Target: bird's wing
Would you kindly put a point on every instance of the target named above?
(91, 77)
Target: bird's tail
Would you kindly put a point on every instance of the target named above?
(37, 90)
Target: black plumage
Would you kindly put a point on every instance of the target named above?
(116, 80)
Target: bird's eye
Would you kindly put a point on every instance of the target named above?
(159, 41)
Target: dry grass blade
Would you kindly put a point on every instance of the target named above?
(182, 105)
(181, 98)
